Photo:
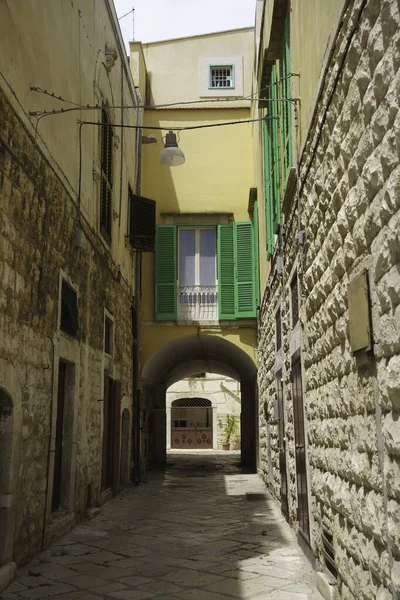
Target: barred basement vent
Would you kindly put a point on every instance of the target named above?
(329, 552)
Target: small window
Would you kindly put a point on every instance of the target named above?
(294, 295)
(222, 77)
(278, 329)
(69, 310)
(108, 336)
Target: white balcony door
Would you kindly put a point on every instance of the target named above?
(197, 272)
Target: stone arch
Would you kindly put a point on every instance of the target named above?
(186, 356)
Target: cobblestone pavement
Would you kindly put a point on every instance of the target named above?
(200, 530)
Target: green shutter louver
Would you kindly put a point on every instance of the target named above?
(165, 273)
(285, 107)
(226, 272)
(245, 301)
(256, 265)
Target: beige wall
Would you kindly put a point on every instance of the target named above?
(68, 59)
(180, 80)
(311, 21)
(216, 176)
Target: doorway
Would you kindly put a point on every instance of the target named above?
(191, 424)
(62, 490)
(111, 434)
(124, 478)
(282, 446)
(300, 450)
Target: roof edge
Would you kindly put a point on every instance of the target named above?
(190, 37)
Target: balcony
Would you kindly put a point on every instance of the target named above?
(197, 303)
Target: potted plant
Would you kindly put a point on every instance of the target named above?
(230, 430)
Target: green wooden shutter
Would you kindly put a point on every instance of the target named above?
(226, 272)
(165, 273)
(285, 107)
(245, 302)
(275, 165)
(268, 191)
(256, 251)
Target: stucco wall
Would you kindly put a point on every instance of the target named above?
(68, 58)
(181, 79)
(350, 213)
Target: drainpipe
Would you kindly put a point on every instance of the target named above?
(136, 316)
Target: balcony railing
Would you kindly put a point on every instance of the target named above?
(197, 303)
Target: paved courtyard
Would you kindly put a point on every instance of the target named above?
(201, 530)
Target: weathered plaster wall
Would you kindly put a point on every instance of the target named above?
(351, 214)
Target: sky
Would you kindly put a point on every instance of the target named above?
(165, 19)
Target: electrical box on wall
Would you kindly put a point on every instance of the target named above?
(359, 313)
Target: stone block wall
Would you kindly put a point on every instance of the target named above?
(349, 184)
(37, 243)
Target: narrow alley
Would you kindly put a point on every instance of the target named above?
(202, 529)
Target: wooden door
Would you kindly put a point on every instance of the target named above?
(56, 497)
(282, 445)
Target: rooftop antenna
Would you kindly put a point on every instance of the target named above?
(133, 23)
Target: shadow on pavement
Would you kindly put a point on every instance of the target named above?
(201, 529)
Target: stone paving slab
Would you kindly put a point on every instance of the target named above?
(201, 530)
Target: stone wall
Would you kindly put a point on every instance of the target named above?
(350, 210)
(37, 244)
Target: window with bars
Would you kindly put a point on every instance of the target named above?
(106, 176)
(294, 297)
(222, 77)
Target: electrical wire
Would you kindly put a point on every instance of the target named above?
(156, 106)
(179, 129)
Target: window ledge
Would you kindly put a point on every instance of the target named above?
(245, 322)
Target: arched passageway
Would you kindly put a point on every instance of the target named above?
(184, 357)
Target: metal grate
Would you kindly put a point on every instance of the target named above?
(191, 402)
(221, 77)
(329, 552)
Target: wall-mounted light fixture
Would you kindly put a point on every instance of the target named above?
(171, 155)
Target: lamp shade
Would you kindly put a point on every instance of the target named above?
(171, 155)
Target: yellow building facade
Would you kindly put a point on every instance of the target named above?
(192, 321)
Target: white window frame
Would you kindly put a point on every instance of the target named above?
(195, 308)
(232, 77)
(197, 252)
(205, 65)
